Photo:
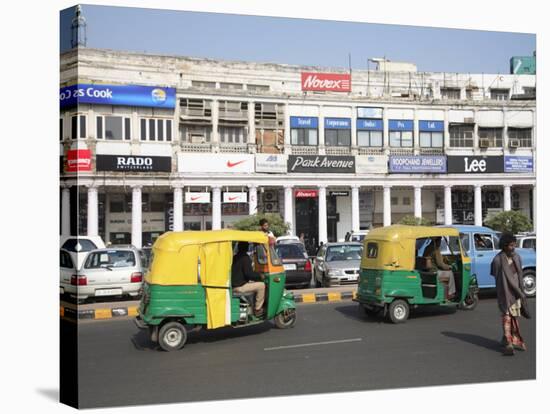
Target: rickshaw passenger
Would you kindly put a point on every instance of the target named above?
(244, 279)
(444, 272)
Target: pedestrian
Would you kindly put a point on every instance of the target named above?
(506, 268)
(264, 226)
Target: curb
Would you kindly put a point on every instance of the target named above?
(324, 297)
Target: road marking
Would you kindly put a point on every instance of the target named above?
(342, 341)
(103, 314)
(308, 297)
(334, 296)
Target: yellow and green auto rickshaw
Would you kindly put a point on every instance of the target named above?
(188, 286)
(398, 271)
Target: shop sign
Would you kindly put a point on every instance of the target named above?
(471, 164)
(370, 125)
(128, 95)
(513, 163)
(233, 197)
(337, 123)
(421, 164)
(79, 160)
(400, 125)
(371, 164)
(334, 82)
(216, 163)
(197, 198)
(135, 163)
(339, 193)
(271, 163)
(310, 122)
(431, 126)
(306, 193)
(321, 164)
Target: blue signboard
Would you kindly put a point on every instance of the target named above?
(337, 123)
(435, 164)
(513, 163)
(129, 95)
(370, 124)
(303, 122)
(401, 125)
(428, 126)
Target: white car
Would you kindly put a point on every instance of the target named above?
(113, 271)
(357, 236)
(80, 246)
(66, 269)
(527, 241)
(287, 239)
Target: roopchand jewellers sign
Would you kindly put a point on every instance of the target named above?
(137, 163)
(321, 164)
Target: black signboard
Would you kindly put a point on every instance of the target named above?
(475, 164)
(339, 193)
(137, 163)
(321, 164)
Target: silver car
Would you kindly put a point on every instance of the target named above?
(337, 264)
(114, 271)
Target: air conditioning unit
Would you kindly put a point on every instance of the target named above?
(271, 195)
(468, 120)
(484, 143)
(198, 139)
(271, 207)
(514, 143)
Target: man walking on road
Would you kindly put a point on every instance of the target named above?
(507, 270)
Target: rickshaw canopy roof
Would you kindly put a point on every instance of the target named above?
(174, 241)
(400, 232)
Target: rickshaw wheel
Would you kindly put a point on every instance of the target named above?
(172, 336)
(398, 311)
(470, 302)
(286, 319)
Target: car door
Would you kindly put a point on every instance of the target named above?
(484, 250)
(319, 263)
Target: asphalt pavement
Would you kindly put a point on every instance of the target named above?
(332, 348)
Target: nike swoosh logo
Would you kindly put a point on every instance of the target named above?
(233, 198)
(195, 198)
(233, 164)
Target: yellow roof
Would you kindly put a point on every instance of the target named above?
(174, 241)
(399, 232)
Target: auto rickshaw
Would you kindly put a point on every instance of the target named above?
(188, 286)
(397, 272)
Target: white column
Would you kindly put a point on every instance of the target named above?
(323, 237)
(448, 205)
(215, 136)
(92, 211)
(355, 221)
(476, 133)
(178, 209)
(386, 134)
(446, 135)
(416, 132)
(251, 125)
(136, 217)
(65, 211)
(321, 137)
(534, 208)
(507, 197)
(478, 215)
(216, 208)
(288, 145)
(387, 205)
(252, 200)
(353, 127)
(418, 201)
(289, 211)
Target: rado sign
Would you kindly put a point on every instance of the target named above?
(321, 164)
(138, 163)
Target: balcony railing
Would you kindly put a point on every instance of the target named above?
(432, 151)
(338, 150)
(304, 150)
(371, 151)
(401, 151)
(189, 147)
(234, 148)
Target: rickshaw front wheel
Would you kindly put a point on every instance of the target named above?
(470, 301)
(286, 319)
(172, 336)
(398, 311)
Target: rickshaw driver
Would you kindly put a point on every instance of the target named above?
(244, 279)
(444, 272)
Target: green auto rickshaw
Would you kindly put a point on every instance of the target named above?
(188, 286)
(398, 274)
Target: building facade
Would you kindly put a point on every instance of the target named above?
(153, 143)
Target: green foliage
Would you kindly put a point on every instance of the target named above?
(415, 221)
(276, 223)
(510, 221)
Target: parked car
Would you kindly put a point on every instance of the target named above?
(288, 239)
(296, 263)
(66, 269)
(337, 264)
(80, 246)
(482, 245)
(356, 236)
(114, 271)
(527, 241)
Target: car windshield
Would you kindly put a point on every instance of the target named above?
(344, 252)
(85, 245)
(290, 251)
(110, 259)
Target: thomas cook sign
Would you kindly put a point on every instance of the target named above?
(321, 164)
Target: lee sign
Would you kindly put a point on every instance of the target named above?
(468, 164)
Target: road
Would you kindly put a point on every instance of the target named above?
(331, 349)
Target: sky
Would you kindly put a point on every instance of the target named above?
(295, 41)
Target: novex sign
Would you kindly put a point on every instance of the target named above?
(335, 82)
(129, 95)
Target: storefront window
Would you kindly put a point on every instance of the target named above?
(303, 136)
(461, 135)
(113, 127)
(401, 138)
(369, 138)
(431, 139)
(493, 135)
(155, 129)
(337, 137)
(232, 135)
(524, 135)
(78, 126)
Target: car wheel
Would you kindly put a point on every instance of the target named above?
(398, 311)
(286, 319)
(172, 336)
(529, 283)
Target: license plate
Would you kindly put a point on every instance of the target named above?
(289, 266)
(108, 292)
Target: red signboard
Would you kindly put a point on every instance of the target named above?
(306, 193)
(79, 160)
(336, 82)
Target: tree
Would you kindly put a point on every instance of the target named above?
(276, 223)
(510, 221)
(415, 221)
